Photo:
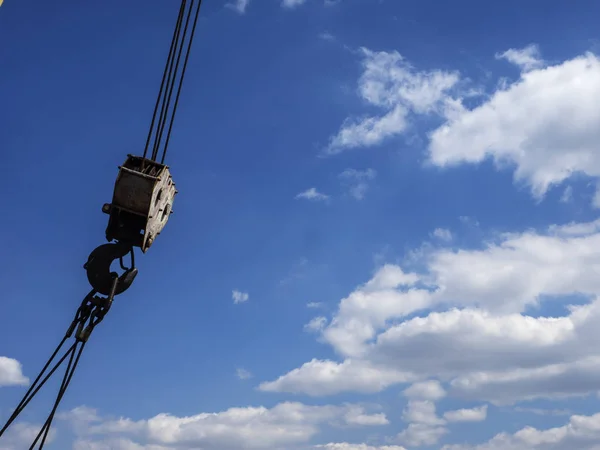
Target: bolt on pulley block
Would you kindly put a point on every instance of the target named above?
(142, 202)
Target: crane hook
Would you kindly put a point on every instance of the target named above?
(98, 268)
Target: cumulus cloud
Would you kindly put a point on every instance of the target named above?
(478, 414)
(282, 426)
(391, 84)
(421, 434)
(581, 433)
(11, 372)
(544, 125)
(528, 58)
(312, 194)
(319, 377)
(315, 325)
(480, 340)
(425, 390)
(21, 435)
(357, 416)
(239, 296)
(346, 446)
(442, 234)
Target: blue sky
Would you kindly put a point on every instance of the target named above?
(385, 236)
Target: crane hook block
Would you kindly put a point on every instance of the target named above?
(142, 202)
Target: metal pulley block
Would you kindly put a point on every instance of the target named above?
(142, 202)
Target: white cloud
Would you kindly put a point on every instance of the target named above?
(421, 434)
(357, 416)
(421, 411)
(318, 377)
(290, 4)
(11, 372)
(581, 433)
(567, 195)
(346, 446)
(239, 297)
(314, 305)
(115, 444)
(544, 124)
(317, 324)
(528, 58)
(282, 426)
(543, 412)
(425, 427)
(243, 374)
(442, 234)
(21, 435)
(326, 36)
(478, 414)
(357, 181)
(239, 6)
(391, 84)
(479, 341)
(425, 390)
(312, 194)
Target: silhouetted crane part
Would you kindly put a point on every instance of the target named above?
(142, 202)
(98, 269)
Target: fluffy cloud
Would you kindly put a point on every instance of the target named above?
(315, 325)
(312, 194)
(421, 434)
(346, 446)
(425, 390)
(581, 433)
(239, 297)
(527, 58)
(545, 124)
(442, 234)
(11, 372)
(284, 425)
(357, 416)
(425, 427)
(478, 414)
(21, 435)
(484, 345)
(318, 377)
(394, 86)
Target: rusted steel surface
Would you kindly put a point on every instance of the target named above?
(142, 202)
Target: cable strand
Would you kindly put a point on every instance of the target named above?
(172, 79)
(183, 72)
(29, 395)
(164, 78)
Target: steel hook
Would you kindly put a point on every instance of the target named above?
(98, 268)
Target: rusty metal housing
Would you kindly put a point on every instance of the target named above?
(142, 202)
